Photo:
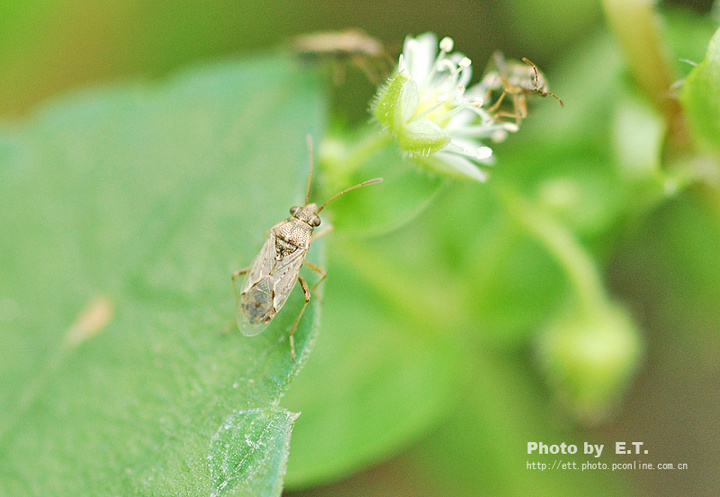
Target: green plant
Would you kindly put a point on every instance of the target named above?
(125, 210)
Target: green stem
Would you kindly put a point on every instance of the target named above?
(575, 261)
(636, 27)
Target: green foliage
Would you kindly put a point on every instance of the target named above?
(149, 197)
(444, 338)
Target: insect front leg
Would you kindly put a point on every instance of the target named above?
(497, 103)
(306, 291)
(322, 232)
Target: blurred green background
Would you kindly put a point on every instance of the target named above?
(664, 266)
(49, 46)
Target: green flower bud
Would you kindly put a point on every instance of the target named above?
(590, 359)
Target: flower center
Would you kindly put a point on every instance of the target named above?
(436, 107)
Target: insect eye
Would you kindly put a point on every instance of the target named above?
(293, 210)
(315, 221)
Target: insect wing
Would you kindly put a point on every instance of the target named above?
(255, 307)
(261, 266)
(267, 287)
(285, 275)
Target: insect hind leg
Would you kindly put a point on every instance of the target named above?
(306, 292)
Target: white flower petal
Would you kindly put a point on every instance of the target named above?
(437, 117)
(477, 91)
(465, 76)
(401, 64)
(470, 151)
(422, 55)
(477, 131)
(456, 165)
(461, 120)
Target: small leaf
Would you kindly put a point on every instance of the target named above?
(701, 98)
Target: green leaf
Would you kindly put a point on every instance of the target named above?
(125, 210)
(249, 452)
(701, 98)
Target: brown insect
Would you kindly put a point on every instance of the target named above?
(272, 276)
(517, 81)
(351, 45)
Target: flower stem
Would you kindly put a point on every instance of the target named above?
(557, 239)
(636, 27)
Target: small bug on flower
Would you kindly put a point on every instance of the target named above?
(516, 80)
(272, 276)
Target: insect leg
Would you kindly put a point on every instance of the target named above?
(318, 270)
(322, 232)
(306, 291)
(497, 103)
(240, 272)
(365, 65)
(338, 72)
(519, 108)
(237, 273)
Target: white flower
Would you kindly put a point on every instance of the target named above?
(434, 117)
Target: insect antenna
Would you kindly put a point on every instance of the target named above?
(364, 183)
(309, 139)
(545, 92)
(536, 82)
